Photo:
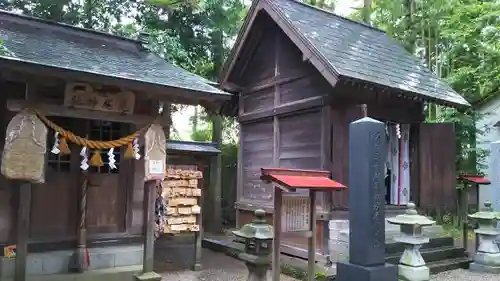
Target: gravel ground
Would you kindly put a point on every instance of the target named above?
(219, 267)
(464, 275)
(216, 267)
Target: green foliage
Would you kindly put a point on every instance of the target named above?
(458, 40)
(300, 273)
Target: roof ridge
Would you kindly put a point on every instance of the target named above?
(68, 26)
(330, 13)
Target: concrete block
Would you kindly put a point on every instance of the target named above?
(7, 267)
(149, 276)
(128, 258)
(54, 264)
(102, 260)
(34, 265)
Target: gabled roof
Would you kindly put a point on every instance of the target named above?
(40, 42)
(348, 49)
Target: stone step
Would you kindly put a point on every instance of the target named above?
(449, 264)
(433, 254)
(439, 242)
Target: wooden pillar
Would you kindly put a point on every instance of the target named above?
(276, 270)
(311, 240)
(149, 236)
(23, 225)
(198, 236)
(215, 191)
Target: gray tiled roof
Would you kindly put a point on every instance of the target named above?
(192, 146)
(362, 52)
(61, 46)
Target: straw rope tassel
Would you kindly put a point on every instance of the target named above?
(63, 147)
(96, 159)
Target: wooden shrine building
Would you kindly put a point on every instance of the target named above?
(301, 74)
(98, 86)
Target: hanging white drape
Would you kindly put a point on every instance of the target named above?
(399, 163)
(394, 163)
(404, 189)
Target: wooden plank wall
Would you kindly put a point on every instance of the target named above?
(437, 168)
(281, 111)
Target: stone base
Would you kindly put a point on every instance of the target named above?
(492, 259)
(411, 273)
(484, 268)
(350, 272)
(59, 262)
(149, 276)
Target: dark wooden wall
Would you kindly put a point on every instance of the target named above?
(292, 117)
(437, 175)
(281, 112)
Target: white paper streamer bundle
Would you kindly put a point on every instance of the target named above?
(398, 131)
(136, 149)
(85, 159)
(111, 159)
(55, 148)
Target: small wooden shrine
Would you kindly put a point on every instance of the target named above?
(180, 203)
(300, 75)
(84, 147)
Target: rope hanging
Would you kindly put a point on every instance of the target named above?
(96, 159)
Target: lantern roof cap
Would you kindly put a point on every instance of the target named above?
(411, 217)
(257, 229)
(486, 213)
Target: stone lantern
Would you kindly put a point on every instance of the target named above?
(412, 266)
(487, 257)
(258, 239)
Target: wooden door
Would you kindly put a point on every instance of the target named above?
(107, 192)
(436, 157)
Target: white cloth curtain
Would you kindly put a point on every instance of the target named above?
(399, 163)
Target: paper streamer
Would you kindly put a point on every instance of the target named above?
(85, 161)
(136, 149)
(111, 159)
(398, 131)
(55, 147)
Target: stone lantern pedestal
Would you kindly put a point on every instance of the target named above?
(412, 266)
(258, 238)
(487, 258)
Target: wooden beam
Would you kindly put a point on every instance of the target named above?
(276, 269)
(283, 109)
(23, 227)
(59, 110)
(274, 81)
(215, 189)
(151, 90)
(311, 241)
(149, 235)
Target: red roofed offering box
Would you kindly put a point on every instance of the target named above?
(291, 179)
(477, 179)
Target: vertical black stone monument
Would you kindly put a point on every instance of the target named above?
(367, 152)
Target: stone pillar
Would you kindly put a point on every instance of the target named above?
(367, 150)
(487, 257)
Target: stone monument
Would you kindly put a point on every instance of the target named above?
(367, 149)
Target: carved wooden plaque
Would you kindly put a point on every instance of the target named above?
(84, 96)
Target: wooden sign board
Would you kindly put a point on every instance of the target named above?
(84, 96)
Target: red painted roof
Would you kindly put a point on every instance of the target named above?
(301, 179)
(474, 179)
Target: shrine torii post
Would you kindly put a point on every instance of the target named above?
(290, 180)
